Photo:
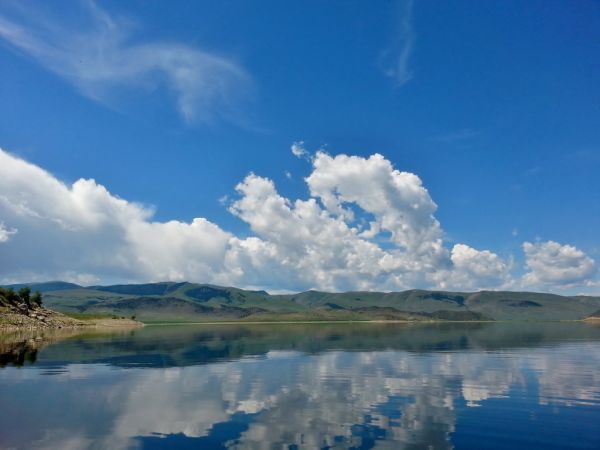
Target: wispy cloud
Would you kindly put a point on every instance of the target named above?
(100, 57)
(396, 60)
(299, 151)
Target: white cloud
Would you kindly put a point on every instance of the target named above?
(6, 233)
(474, 269)
(84, 229)
(397, 200)
(551, 263)
(365, 226)
(301, 243)
(102, 59)
(299, 151)
(304, 244)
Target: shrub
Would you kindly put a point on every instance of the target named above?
(36, 298)
(9, 294)
(25, 294)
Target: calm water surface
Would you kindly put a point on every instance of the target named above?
(362, 386)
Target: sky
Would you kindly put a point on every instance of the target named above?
(287, 146)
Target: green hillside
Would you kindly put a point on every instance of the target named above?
(47, 286)
(190, 302)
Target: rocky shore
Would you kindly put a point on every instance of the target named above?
(46, 319)
(22, 311)
(13, 318)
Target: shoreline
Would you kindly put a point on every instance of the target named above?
(56, 322)
(84, 327)
(72, 324)
(378, 321)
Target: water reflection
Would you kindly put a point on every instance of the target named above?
(324, 386)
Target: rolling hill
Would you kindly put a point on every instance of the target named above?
(191, 302)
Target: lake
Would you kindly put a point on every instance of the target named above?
(295, 386)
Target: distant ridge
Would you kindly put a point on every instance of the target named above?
(193, 302)
(46, 286)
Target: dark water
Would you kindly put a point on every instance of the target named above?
(477, 386)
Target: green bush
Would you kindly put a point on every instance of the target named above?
(25, 294)
(10, 295)
(36, 298)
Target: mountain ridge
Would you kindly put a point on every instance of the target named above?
(196, 302)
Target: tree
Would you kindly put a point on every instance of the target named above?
(25, 294)
(36, 298)
(10, 295)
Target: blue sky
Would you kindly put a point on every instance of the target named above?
(494, 106)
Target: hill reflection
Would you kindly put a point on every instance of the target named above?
(178, 346)
(323, 386)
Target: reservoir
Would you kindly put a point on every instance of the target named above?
(530, 385)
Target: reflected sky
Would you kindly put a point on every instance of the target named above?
(334, 386)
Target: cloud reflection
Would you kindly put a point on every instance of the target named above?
(289, 399)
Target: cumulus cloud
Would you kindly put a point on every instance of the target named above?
(473, 269)
(302, 243)
(551, 263)
(397, 200)
(66, 231)
(365, 226)
(101, 58)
